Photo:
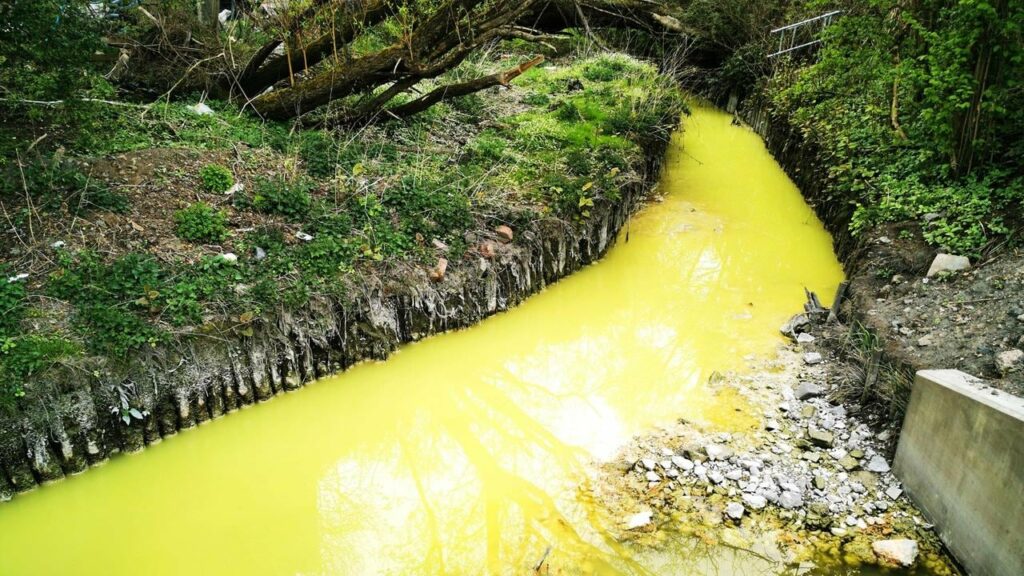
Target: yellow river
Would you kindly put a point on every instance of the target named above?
(463, 453)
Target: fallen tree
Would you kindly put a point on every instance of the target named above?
(367, 56)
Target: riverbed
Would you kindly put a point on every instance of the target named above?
(465, 453)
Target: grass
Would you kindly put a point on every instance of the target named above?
(318, 206)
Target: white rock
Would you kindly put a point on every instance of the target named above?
(665, 464)
(652, 476)
(893, 493)
(734, 510)
(812, 358)
(902, 552)
(236, 187)
(804, 338)
(682, 463)
(58, 244)
(790, 500)
(18, 278)
(925, 341)
(202, 109)
(716, 477)
(755, 501)
(648, 463)
(303, 236)
(638, 520)
(229, 257)
(877, 464)
(808, 389)
(948, 263)
(718, 452)
(1009, 361)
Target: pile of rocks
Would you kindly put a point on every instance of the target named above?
(811, 465)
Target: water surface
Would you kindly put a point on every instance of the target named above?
(462, 454)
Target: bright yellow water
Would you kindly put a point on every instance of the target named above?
(461, 454)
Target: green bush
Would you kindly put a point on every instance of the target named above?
(280, 196)
(216, 178)
(318, 152)
(201, 222)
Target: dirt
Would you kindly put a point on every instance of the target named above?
(962, 320)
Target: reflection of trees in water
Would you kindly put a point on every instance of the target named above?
(694, 556)
(467, 491)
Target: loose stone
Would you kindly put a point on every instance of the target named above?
(734, 510)
(878, 464)
(900, 552)
(808, 389)
(639, 520)
(755, 501)
(812, 358)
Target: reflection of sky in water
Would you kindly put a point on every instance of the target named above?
(465, 454)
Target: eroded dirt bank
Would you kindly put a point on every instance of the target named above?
(903, 316)
(203, 378)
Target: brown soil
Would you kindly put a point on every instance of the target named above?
(959, 321)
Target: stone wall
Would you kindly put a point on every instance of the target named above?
(961, 459)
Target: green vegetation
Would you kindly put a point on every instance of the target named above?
(201, 222)
(289, 198)
(320, 208)
(216, 178)
(916, 110)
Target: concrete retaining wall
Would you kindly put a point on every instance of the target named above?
(961, 459)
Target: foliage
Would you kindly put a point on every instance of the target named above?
(289, 198)
(201, 222)
(216, 179)
(368, 198)
(915, 110)
(46, 47)
(110, 299)
(54, 184)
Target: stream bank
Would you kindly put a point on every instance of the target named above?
(902, 317)
(333, 248)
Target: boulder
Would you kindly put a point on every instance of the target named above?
(946, 263)
(790, 500)
(718, 452)
(901, 552)
(437, 274)
(795, 325)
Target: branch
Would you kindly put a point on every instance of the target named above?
(462, 89)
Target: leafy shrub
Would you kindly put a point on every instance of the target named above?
(201, 222)
(54, 185)
(280, 196)
(318, 152)
(216, 179)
